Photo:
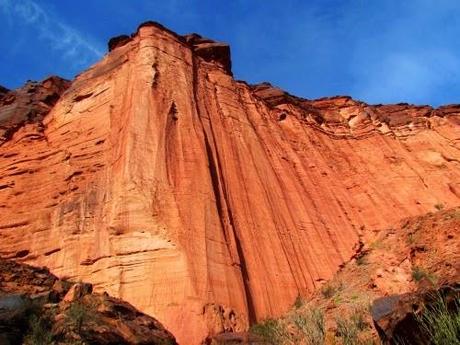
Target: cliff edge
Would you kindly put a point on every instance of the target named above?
(204, 201)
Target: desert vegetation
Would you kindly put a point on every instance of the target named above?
(441, 322)
(307, 326)
(438, 323)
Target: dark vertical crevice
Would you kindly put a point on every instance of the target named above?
(244, 272)
(220, 195)
(221, 198)
(215, 184)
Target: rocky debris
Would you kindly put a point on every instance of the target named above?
(272, 95)
(446, 110)
(211, 51)
(160, 28)
(29, 104)
(34, 303)
(275, 96)
(118, 41)
(401, 114)
(160, 179)
(221, 319)
(77, 291)
(398, 318)
(24, 279)
(345, 116)
(397, 271)
(3, 91)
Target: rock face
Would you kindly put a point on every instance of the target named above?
(401, 271)
(3, 90)
(28, 105)
(399, 318)
(204, 201)
(35, 305)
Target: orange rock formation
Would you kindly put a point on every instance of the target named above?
(204, 201)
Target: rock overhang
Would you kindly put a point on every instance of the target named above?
(207, 49)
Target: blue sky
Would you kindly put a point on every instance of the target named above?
(374, 50)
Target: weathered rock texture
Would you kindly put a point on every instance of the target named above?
(396, 272)
(202, 200)
(35, 304)
(399, 318)
(28, 105)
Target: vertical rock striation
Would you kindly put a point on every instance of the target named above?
(202, 200)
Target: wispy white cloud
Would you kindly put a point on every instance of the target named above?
(377, 51)
(73, 45)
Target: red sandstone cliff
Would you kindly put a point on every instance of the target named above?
(204, 201)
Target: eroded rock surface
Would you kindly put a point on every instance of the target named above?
(35, 305)
(409, 273)
(28, 105)
(160, 179)
(3, 91)
(399, 318)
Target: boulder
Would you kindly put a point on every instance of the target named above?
(397, 318)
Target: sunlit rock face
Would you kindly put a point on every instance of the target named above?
(204, 201)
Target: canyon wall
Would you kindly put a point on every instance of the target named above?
(204, 201)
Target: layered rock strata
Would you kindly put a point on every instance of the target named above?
(37, 308)
(202, 200)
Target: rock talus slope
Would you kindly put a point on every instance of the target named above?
(202, 200)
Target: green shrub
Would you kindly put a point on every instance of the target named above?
(337, 300)
(358, 321)
(39, 332)
(441, 325)
(310, 326)
(418, 273)
(270, 331)
(348, 330)
(329, 290)
(77, 315)
(38, 323)
(299, 302)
